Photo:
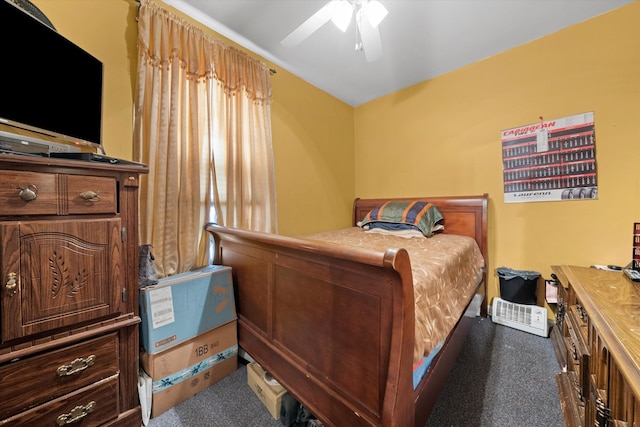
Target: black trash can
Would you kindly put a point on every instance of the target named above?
(519, 286)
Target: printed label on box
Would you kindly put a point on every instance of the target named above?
(161, 307)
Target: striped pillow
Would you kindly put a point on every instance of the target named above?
(401, 215)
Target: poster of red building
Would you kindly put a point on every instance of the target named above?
(550, 161)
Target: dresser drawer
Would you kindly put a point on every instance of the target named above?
(91, 406)
(34, 193)
(35, 380)
(91, 194)
(579, 355)
(573, 410)
(41, 185)
(580, 320)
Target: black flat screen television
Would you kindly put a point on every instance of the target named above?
(48, 85)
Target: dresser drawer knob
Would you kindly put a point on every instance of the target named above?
(12, 284)
(90, 196)
(76, 414)
(78, 365)
(28, 193)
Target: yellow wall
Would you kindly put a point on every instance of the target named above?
(107, 29)
(312, 131)
(442, 137)
(314, 157)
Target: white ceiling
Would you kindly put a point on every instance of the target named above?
(421, 39)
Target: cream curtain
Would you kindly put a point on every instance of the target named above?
(203, 125)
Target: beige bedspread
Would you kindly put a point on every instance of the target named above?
(446, 270)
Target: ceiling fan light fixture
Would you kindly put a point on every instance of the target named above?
(342, 13)
(375, 12)
(369, 14)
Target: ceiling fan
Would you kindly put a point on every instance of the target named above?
(368, 14)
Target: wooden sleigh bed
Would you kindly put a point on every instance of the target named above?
(335, 325)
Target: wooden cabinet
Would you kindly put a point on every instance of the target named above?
(597, 340)
(68, 298)
(68, 273)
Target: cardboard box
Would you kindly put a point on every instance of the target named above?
(185, 305)
(186, 369)
(270, 396)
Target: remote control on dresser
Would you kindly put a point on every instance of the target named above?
(632, 274)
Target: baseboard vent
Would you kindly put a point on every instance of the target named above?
(528, 318)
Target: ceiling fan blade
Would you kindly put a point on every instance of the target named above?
(309, 26)
(371, 42)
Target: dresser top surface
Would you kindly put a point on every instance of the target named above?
(11, 161)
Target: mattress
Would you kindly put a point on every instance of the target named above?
(446, 271)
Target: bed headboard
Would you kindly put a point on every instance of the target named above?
(463, 215)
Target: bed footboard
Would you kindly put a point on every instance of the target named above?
(336, 325)
(324, 321)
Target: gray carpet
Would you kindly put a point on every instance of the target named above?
(503, 377)
(228, 403)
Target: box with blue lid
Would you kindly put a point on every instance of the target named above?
(182, 306)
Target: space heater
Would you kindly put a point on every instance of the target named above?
(528, 318)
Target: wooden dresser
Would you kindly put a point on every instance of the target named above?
(69, 299)
(597, 340)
